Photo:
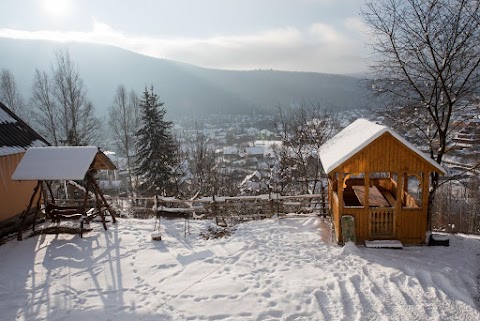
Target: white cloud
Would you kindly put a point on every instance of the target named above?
(320, 47)
(325, 33)
(357, 25)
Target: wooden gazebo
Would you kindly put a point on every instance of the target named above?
(379, 179)
(69, 163)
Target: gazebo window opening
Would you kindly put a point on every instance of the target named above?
(352, 180)
(386, 184)
(412, 197)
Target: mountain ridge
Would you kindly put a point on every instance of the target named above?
(186, 89)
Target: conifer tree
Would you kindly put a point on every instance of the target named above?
(155, 147)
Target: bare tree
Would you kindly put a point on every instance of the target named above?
(77, 122)
(62, 111)
(198, 172)
(9, 94)
(124, 122)
(303, 130)
(182, 177)
(45, 109)
(202, 164)
(428, 63)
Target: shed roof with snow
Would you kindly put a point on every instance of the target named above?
(60, 163)
(355, 138)
(15, 135)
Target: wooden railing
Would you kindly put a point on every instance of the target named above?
(265, 205)
(382, 222)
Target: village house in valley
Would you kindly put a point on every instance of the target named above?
(15, 138)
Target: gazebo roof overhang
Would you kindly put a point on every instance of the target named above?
(356, 137)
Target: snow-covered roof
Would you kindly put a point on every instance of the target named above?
(6, 118)
(354, 138)
(230, 150)
(267, 143)
(60, 163)
(15, 135)
(255, 150)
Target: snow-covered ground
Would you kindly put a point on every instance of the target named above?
(276, 269)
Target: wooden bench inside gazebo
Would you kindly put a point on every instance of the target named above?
(69, 163)
(381, 180)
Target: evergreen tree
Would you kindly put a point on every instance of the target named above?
(155, 147)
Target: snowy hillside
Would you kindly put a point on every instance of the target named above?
(276, 269)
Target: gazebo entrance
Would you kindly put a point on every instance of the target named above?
(378, 202)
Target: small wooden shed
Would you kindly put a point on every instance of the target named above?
(381, 180)
(15, 138)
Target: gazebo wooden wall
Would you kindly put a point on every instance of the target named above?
(386, 154)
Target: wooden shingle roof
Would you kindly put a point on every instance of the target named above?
(15, 135)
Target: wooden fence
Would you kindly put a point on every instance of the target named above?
(237, 207)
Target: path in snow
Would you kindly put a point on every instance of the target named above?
(267, 270)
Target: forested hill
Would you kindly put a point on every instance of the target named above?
(185, 89)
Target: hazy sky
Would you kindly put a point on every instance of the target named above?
(301, 35)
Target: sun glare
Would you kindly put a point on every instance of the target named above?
(56, 8)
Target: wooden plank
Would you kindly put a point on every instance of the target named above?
(390, 198)
(375, 197)
(384, 244)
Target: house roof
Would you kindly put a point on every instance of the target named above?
(255, 150)
(230, 151)
(60, 163)
(357, 136)
(15, 135)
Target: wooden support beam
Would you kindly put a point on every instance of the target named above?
(49, 187)
(41, 193)
(97, 203)
(400, 192)
(366, 183)
(97, 189)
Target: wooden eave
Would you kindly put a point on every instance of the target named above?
(102, 162)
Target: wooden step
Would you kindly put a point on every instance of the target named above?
(384, 244)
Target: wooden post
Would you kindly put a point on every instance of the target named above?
(425, 189)
(405, 184)
(322, 191)
(398, 203)
(215, 209)
(38, 205)
(99, 206)
(26, 212)
(425, 197)
(97, 190)
(366, 183)
(49, 187)
(84, 210)
(340, 205)
(340, 192)
(157, 214)
(270, 200)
